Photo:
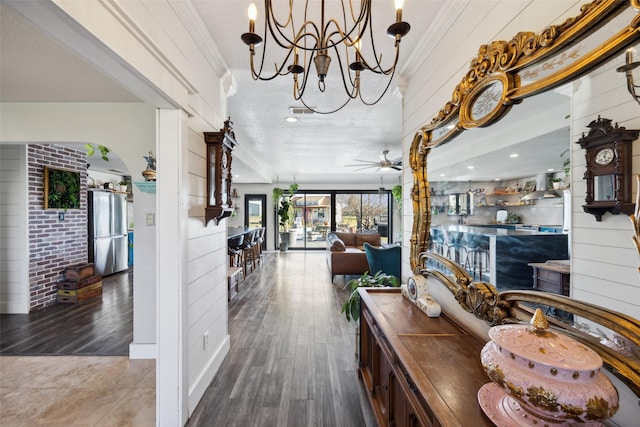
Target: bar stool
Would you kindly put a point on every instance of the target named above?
(477, 250)
(261, 233)
(234, 249)
(248, 250)
(436, 243)
(452, 246)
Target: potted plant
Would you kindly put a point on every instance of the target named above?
(285, 212)
(123, 186)
(557, 183)
(351, 307)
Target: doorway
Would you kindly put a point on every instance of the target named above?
(255, 213)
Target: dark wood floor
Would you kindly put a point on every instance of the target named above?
(292, 359)
(99, 326)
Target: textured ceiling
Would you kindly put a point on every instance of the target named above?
(35, 68)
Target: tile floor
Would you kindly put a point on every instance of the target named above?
(76, 391)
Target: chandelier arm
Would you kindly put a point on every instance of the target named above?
(325, 112)
(278, 69)
(377, 69)
(272, 23)
(363, 4)
(355, 86)
(254, 75)
(345, 36)
(382, 94)
(631, 87)
(365, 13)
(285, 41)
(301, 89)
(268, 8)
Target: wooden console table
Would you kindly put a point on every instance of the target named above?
(417, 370)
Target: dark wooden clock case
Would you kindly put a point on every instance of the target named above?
(219, 147)
(603, 135)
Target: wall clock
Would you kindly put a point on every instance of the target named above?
(416, 291)
(608, 168)
(219, 147)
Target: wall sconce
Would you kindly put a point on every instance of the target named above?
(234, 194)
(627, 69)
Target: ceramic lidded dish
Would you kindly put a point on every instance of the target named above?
(541, 377)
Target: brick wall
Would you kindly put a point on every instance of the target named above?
(53, 244)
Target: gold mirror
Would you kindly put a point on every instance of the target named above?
(502, 75)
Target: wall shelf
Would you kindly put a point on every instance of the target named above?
(146, 186)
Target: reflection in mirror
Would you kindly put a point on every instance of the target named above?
(460, 204)
(604, 187)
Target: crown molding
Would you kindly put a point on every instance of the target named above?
(444, 19)
(197, 29)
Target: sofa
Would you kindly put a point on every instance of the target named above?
(345, 252)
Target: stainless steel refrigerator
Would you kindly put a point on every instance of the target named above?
(108, 231)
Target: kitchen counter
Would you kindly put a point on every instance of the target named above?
(510, 251)
(497, 230)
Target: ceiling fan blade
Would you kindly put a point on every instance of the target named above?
(396, 167)
(365, 167)
(363, 161)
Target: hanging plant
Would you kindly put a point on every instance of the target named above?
(277, 193)
(396, 191)
(104, 151)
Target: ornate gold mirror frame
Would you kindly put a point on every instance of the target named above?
(503, 74)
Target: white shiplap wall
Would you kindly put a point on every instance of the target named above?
(604, 263)
(208, 337)
(14, 249)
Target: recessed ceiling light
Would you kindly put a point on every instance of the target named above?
(550, 170)
(442, 174)
(497, 179)
(469, 167)
(513, 155)
(291, 119)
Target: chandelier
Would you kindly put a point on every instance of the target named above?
(318, 43)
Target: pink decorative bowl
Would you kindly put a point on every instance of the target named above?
(553, 379)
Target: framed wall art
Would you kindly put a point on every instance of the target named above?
(61, 189)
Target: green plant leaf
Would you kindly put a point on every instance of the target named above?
(351, 307)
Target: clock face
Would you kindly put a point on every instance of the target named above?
(604, 156)
(412, 288)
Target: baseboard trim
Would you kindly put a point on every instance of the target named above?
(197, 390)
(143, 351)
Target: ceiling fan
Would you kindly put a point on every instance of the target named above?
(383, 164)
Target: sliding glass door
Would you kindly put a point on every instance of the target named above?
(311, 219)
